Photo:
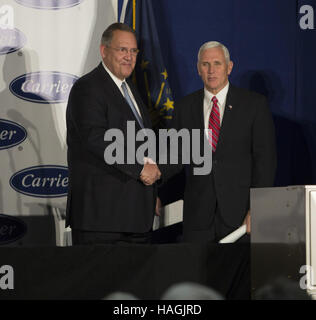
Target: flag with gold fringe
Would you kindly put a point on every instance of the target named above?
(150, 75)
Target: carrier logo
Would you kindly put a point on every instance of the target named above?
(43, 86)
(11, 229)
(41, 181)
(11, 134)
(49, 4)
(11, 40)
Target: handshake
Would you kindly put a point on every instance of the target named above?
(150, 173)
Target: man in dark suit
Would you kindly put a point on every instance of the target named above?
(243, 149)
(107, 203)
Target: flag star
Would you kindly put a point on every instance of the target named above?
(168, 104)
(144, 64)
(165, 74)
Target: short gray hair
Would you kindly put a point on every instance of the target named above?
(108, 33)
(214, 44)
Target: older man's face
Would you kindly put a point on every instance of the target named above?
(213, 69)
(120, 63)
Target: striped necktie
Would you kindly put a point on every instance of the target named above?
(131, 104)
(214, 124)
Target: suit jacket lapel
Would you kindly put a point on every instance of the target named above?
(111, 88)
(119, 100)
(198, 114)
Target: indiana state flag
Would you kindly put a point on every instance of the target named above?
(150, 76)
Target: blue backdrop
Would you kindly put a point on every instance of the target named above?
(271, 54)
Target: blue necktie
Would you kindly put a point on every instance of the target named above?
(131, 104)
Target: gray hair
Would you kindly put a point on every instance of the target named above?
(108, 33)
(190, 291)
(118, 295)
(214, 44)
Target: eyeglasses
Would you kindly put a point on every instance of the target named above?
(125, 51)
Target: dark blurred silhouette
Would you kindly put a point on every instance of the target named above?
(190, 291)
(281, 289)
(120, 296)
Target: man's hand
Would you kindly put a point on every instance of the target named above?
(150, 174)
(247, 222)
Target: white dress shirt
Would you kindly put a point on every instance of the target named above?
(208, 104)
(119, 82)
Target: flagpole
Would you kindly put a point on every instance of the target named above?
(134, 14)
(134, 28)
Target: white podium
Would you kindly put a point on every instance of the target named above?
(169, 215)
(283, 234)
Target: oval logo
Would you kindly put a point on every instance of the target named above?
(11, 134)
(41, 181)
(49, 4)
(43, 86)
(11, 229)
(11, 39)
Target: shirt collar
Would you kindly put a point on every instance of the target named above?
(221, 95)
(117, 81)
